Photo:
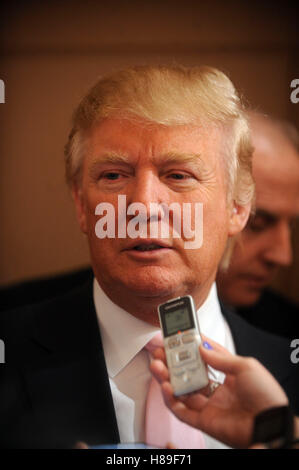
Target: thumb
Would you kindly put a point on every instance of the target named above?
(225, 363)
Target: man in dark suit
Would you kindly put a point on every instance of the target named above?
(148, 146)
(55, 388)
(265, 244)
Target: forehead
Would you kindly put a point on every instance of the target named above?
(138, 141)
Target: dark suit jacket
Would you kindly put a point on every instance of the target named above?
(273, 313)
(54, 387)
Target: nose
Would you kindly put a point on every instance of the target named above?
(147, 189)
(279, 250)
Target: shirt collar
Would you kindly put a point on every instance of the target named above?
(124, 335)
(210, 318)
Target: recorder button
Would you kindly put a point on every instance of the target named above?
(184, 355)
(193, 367)
(174, 343)
(178, 372)
(188, 338)
(186, 378)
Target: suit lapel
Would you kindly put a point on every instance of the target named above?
(69, 387)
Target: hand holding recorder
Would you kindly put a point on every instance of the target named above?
(228, 414)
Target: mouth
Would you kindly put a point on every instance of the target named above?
(148, 247)
(258, 281)
(145, 247)
(147, 244)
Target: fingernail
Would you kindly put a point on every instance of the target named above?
(207, 345)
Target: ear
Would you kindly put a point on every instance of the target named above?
(80, 207)
(238, 218)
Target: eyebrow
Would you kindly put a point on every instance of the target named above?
(265, 212)
(167, 158)
(170, 158)
(111, 157)
(270, 216)
(175, 158)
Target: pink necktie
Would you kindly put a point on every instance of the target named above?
(161, 426)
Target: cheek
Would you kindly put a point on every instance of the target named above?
(100, 248)
(92, 199)
(252, 244)
(216, 226)
(207, 258)
(246, 252)
(104, 255)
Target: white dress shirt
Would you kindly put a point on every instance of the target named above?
(124, 337)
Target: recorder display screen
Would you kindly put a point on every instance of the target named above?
(177, 320)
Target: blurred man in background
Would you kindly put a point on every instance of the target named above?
(265, 245)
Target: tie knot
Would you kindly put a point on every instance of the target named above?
(155, 342)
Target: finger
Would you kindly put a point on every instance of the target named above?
(170, 445)
(193, 401)
(258, 446)
(215, 346)
(210, 389)
(159, 353)
(181, 409)
(80, 445)
(159, 370)
(227, 363)
(196, 401)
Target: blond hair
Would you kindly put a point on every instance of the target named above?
(168, 96)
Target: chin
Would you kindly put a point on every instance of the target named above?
(153, 282)
(249, 299)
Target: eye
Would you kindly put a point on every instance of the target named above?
(112, 175)
(260, 222)
(179, 176)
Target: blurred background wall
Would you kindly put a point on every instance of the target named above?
(51, 52)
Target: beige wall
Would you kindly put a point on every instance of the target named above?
(53, 51)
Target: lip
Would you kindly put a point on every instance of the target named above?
(151, 255)
(147, 241)
(257, 281)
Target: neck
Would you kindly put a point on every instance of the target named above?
(145, 307)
